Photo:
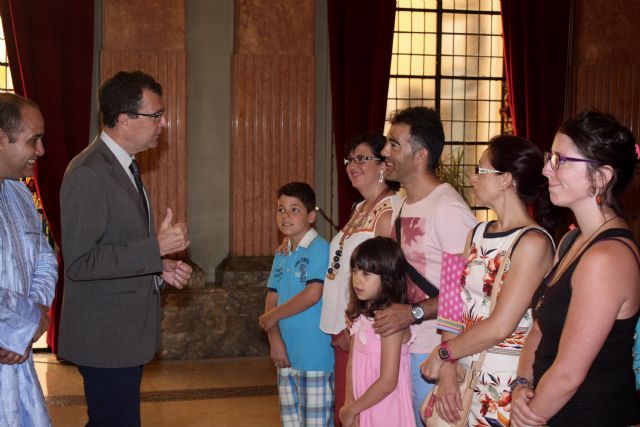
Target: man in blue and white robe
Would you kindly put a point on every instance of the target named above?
(28, 267)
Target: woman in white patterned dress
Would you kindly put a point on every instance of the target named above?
(508, 180)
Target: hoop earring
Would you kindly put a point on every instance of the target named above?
(380, 177)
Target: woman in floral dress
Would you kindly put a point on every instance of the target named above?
(508, 179)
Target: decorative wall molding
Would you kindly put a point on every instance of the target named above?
(273, 142)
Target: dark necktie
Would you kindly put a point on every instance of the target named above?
(135, 171)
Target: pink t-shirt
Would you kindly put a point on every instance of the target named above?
(438, 223)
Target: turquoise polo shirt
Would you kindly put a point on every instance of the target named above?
(308, 348)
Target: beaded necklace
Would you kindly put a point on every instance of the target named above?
(354, 225)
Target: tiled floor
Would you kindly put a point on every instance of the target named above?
(235, 392)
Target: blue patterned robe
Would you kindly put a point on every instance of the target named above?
(28, 273)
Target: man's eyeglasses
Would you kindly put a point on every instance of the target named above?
(358, 160)
(484, 171)
(155, 116)
(555, 160)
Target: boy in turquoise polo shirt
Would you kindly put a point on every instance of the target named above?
(300, 350)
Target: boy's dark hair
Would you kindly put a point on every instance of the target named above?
(382, 256)
(301, 191)
(425, 129)
(122, 93)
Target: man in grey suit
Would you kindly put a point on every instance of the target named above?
(114, 268)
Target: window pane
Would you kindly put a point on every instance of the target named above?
(429, 89)
(447, 44)
(417, 43)
(459, 45)
(391, 93)
(404, 43)
(417, 65)
(447, 65)
(458, 89)
(483, 89)
(403, 22)
(485, 46)
(417, 20)
(431, 43)
(445, 109)
(394, 65)
(430, 22)
(460, 23)
(430, 65)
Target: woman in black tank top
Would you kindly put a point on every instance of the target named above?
(578, 355)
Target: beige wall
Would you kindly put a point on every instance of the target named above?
(209, 49)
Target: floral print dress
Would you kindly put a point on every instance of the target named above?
(491, 405)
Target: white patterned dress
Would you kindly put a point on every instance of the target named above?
(491, 405)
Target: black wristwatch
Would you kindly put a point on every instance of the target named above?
(417, 312)
(520, 381)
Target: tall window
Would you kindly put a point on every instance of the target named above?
(6, 84)
(447, 54)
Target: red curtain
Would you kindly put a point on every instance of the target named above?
(360, 44)
(536, 41)
(50, 49)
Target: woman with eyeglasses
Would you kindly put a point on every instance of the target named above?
(576, 367)
(508, 180)
(371, 217)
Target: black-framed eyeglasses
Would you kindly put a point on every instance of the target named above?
(483, 171)
(358, 160)
(556, 160)
(156, 116)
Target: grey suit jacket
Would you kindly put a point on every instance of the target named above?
(110, 310)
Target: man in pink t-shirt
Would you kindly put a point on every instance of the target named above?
(433, 217)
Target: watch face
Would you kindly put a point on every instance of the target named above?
(443, 353)
(417, 312)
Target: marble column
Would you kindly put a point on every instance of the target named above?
(273, 96)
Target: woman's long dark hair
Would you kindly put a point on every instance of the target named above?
(524, 161)
(382, 256)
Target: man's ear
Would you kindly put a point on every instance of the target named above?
(122, 120)
(422, 156)
(4, 137)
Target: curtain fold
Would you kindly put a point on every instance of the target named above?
(360, 44)
(536, 51)
(50, 50)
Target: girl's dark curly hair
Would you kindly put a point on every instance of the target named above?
(381, 256)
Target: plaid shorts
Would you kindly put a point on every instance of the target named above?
(306, 397)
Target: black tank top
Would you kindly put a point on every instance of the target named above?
(607, 395)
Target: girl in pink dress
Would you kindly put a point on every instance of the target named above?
(378, 372)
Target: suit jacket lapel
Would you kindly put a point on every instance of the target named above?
(123, 180)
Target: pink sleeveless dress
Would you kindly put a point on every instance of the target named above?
(395, 409)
